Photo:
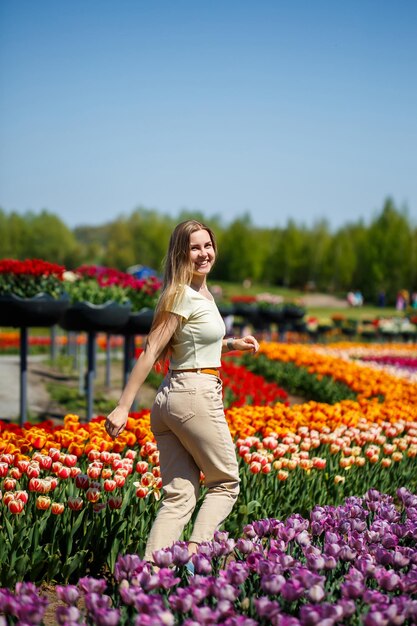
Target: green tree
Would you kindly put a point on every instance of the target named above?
(50, 239)
(239, 253)
(385, 257)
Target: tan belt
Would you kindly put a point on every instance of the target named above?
(202, 370)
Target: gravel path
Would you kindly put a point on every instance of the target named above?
(10, 387)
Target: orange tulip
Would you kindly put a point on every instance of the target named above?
(43, 503)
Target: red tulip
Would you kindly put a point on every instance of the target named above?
(8, 496)
(82, 481)
(35, 484)
(70, 460)
(9, 484)
(4, 469)
(57, 508)
(98, 506)
(22, 495)
(109, 485)
(64, 472)
(15, 506)
(92, 494)
(115, 502)
(93, 455)
(75, 504)
(22, 465)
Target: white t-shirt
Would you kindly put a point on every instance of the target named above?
(197, 342)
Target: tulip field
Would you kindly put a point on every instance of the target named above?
(324, 530)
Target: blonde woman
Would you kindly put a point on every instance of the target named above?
(187, 417)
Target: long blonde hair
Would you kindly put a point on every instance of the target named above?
(178, 269)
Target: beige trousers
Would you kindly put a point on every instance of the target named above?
(192, 434)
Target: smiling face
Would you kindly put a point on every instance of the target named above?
(202, 254)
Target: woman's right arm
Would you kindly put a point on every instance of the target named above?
(155, 344)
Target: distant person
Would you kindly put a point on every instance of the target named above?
(400, 303)
(381, 298)
(351, 298)
(187, 417)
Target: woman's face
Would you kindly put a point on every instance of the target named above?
(202, 253)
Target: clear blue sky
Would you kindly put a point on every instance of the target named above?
(301, 109)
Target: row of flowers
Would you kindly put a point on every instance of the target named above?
(93, 284)
(10, 341)
(72, 498)
(355, 563)
(366, 382)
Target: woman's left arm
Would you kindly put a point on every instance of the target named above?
(240, 343)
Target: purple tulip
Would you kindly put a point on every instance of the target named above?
(390, 541)
(387, 579)
(400, 559)
(365, 565)
(245, 546)
(202, 565)
(272, 583)
(225, 609)
(383, 557)
(96, 602)
(236, 573)
(106, 617)
(92, 585)
(129, 592)
(67, 615)
(286, 562)
(316, 562)
(312, 615)
(128, 566)
(267, 608)
(180, 554)
(262, 527)
(347, 554)
(68, 594)
(303, 538)
(163, 557)
(352, 589)
(317, 528)
(8, 603)
(376, 618)
(225, 591)
(329, 562)
(286, 620)
(240, 620)
(205, 615)
(332, 549)
(30, 606)
(292, 590)
(181, 601)
(316, 593)
(409, 582)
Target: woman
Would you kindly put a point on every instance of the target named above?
(187, 417)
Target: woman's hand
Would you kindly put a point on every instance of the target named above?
(116, 422)
(246, 343)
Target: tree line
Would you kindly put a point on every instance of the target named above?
(374, 258)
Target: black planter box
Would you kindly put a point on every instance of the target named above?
(40, 311)
(87, 317)
(138, 323)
